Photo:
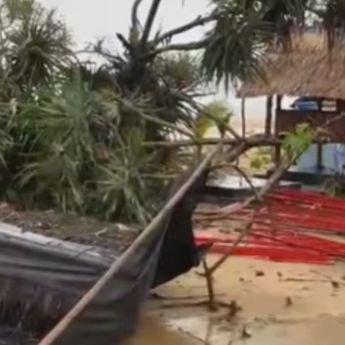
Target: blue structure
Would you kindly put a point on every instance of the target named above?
(333, 155)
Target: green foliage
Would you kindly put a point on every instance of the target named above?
(236, 45)
(34, 43)
(7, 111)
(57, 129)
(74, 156)
(71, 134)
(122, 184)
(179, 71)
(215, 114)
(335, 185)
(295, 143)
(261, 158)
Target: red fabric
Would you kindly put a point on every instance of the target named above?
(282, 227)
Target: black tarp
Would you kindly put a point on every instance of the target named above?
(168, 252)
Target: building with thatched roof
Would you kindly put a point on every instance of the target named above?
(309, 68)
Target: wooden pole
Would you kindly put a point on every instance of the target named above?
(268, 121)
(53, 335)
(279, 102)
(277, 156)
(319, 156)
(243, 115)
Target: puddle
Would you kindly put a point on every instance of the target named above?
(150, 332)
(324, 330)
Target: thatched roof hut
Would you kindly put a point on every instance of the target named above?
(307, 68)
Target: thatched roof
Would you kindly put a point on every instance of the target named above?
(308, 68)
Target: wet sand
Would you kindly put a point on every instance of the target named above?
(282, 304)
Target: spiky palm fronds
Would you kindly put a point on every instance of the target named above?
(60, 131)
(38, 45)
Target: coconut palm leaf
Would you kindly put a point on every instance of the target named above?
(238, 41)
(236, 46)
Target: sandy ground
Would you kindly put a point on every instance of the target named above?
(282, 304)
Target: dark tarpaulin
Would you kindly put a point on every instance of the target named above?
(168, 252)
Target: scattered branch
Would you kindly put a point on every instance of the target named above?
(244, 233)
(270, 184)
(210, 288)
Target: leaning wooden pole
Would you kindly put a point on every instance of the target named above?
(54, 334)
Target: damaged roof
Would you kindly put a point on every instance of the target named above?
(307, 68)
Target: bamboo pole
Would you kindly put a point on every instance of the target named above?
(53, 335)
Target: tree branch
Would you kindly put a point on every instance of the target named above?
(181, 46)
(251, 141)
(150, 19)
(135, 9)
(210, 288)
(154, 119)
(124, 42)
(191, 25)
(271, 182)
(203, 109)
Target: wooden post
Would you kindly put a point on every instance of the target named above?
(268, 122)
(243, 115)
(319, 156)
(279, 102)
(277, 156)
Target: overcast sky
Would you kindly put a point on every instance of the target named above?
(90, 20)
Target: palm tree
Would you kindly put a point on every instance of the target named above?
(35, 44)
(75, 138)
(233, 48)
